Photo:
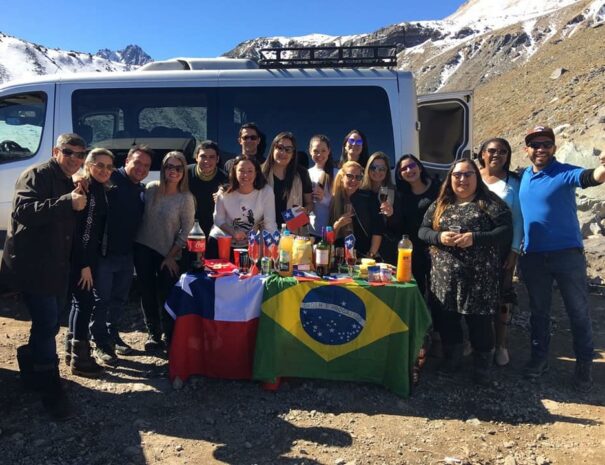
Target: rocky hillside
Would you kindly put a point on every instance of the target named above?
(132, 55)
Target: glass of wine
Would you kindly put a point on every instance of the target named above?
(351, 259)
(383, 195)
(254, 254)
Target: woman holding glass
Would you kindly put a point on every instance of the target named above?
(494, 159)
(355, 211)
(167, 219)
(290, 182)
(321, 174)
(354, 148)
(465, 228)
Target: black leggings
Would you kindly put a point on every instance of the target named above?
(154, 285)
(82, 304)
(481, 333)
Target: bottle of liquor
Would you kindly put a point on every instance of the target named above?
(404, 260)
(322, 256)
(196, 244)
(330, 239)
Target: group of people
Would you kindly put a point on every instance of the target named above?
(84, 235)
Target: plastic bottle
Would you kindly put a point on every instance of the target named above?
(404, 260)
(196, 243)
(285, 253)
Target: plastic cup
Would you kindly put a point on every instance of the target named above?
(224, 247)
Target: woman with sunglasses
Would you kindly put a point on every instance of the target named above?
(321, 174)
(494, 159)
(167, 219)
(355, 211)
(377, 179)
(290, 182)
(87, 247)
(354, 148)
(465, 227)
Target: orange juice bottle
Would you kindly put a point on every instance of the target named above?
(404, 260)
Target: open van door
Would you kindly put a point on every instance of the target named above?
(445, 128)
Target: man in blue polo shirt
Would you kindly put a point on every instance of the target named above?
(553, 250)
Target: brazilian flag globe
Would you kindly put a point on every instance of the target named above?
(349, 332)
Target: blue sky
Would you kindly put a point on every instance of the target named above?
(201, 28)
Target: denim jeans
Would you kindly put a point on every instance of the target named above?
(568, 268)
(44, 311)
(113, 279)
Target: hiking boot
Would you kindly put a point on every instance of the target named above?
(26, 368)
(582, 379)
(501, 357)
(82, 363)
(105, 353)
(153, 343)
(452, 359)
(120, 347)
(482, 362)
(54, 399)
(535, 368)
(68, 338)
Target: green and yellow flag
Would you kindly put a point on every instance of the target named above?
(352, 332)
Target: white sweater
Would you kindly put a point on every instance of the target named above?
(245, 211)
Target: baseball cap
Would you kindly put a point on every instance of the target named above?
(539, 131)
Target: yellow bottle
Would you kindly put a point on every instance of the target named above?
(404, 260)
(285, 253)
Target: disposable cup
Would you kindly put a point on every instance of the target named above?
(224, 247)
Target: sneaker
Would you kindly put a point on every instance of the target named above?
(105, 353)
(582, 379)
(153, 344)
(535, 368)
(120, 347)
(501, 357)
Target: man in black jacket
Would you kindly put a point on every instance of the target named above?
(36, 260)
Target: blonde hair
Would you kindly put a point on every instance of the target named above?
(387, 181)
(184, 182)
(339, 198)
(91, 158)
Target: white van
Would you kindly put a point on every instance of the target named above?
(175, 104)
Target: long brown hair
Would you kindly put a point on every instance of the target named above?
(387, 181)
(447, 196)
(291, 169)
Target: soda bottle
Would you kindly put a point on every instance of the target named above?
(404, 260)
(322, 256)
(196, 243)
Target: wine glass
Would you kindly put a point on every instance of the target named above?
(383, 195)
(254, 253)
(351, 259)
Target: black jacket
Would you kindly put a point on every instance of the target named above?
(90, 225)
(38, 245)
(202, 191)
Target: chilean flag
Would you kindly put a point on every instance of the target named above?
(295, 218)
(215, 326)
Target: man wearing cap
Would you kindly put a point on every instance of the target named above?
(36, 261)
(553, 251)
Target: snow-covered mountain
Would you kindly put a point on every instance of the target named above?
(483, 38)
(20, 59)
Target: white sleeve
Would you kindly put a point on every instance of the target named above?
(268, 200)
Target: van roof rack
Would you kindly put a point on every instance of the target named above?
(362, 56)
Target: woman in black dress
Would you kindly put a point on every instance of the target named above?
(466, 227)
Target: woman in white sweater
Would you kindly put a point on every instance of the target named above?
(247, 204)
(167, 220)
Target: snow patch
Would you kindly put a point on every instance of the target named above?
(450, 69)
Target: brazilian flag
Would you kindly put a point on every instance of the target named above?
(352, 332)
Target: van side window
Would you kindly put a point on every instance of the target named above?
(443, 131)
(21, 124)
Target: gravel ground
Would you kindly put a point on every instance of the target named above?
(133, 416)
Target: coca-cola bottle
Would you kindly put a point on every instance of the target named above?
(196, 243)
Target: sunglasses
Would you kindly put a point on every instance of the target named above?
(283, 148)
(103, 166)
(546, 144)
(177, 168)
(463, 174)
(380, 169)
(72, 153)
(409, 166)
(356, 177)
(496, 151)
(249, 137)
(353, 141)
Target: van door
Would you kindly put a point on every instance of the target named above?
(26, 137)
(445, 128)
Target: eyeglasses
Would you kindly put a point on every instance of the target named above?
(380, 169)
(103, 166)
(283, 148)
(356, 177)
(177, 168)
(353, 141)
(496, 151)
(251, 137)
(463, 174)
(72, 153)
(409, 166)
(547, 144)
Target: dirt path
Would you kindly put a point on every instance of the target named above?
(133, 416)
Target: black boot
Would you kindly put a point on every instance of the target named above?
(68, 338)
(82, 363)
(482, 363)
(54, 399)
(452, 359)
(26, 368)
